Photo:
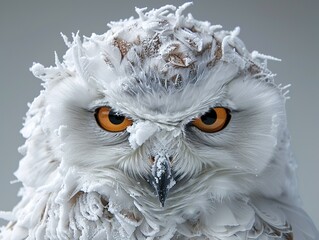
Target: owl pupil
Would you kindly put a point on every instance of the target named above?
(209, 118)
(115, 118)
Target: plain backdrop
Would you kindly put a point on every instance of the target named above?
(287, 29)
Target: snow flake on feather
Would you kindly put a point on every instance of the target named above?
(140, 132)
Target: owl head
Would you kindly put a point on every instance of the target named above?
(161, 102)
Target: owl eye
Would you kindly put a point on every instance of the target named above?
(111, 121)
(214, 120)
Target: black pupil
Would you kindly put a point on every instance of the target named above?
(115, 118)
(209, 118)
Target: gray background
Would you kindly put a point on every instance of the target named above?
(30, 32)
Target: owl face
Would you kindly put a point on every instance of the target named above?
(168, 132)
(164, 104)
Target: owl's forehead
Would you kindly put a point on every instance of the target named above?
(150, 96)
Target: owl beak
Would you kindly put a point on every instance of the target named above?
(161, 178)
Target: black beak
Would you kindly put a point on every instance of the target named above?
(161, 178)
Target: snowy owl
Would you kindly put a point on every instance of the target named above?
(164, 127)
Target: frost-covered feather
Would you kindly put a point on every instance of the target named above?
(162, 70)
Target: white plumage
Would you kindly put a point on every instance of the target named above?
(122, 143)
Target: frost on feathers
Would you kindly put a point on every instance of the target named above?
(161, 70)
(140, 132)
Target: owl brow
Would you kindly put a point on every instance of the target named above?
(94, 106)
(98, 103)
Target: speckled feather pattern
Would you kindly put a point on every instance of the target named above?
(161, 69)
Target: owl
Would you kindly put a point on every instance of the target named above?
(164, 127)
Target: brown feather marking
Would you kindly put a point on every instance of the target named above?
(152, 46)
(122, 45)
(289, 236)
(218, 52)
(106, 212)
(253, 69)
(175, 57)
(130, 215)
(217, 55)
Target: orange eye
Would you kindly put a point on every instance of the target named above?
(213, 121)
(111, 121)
